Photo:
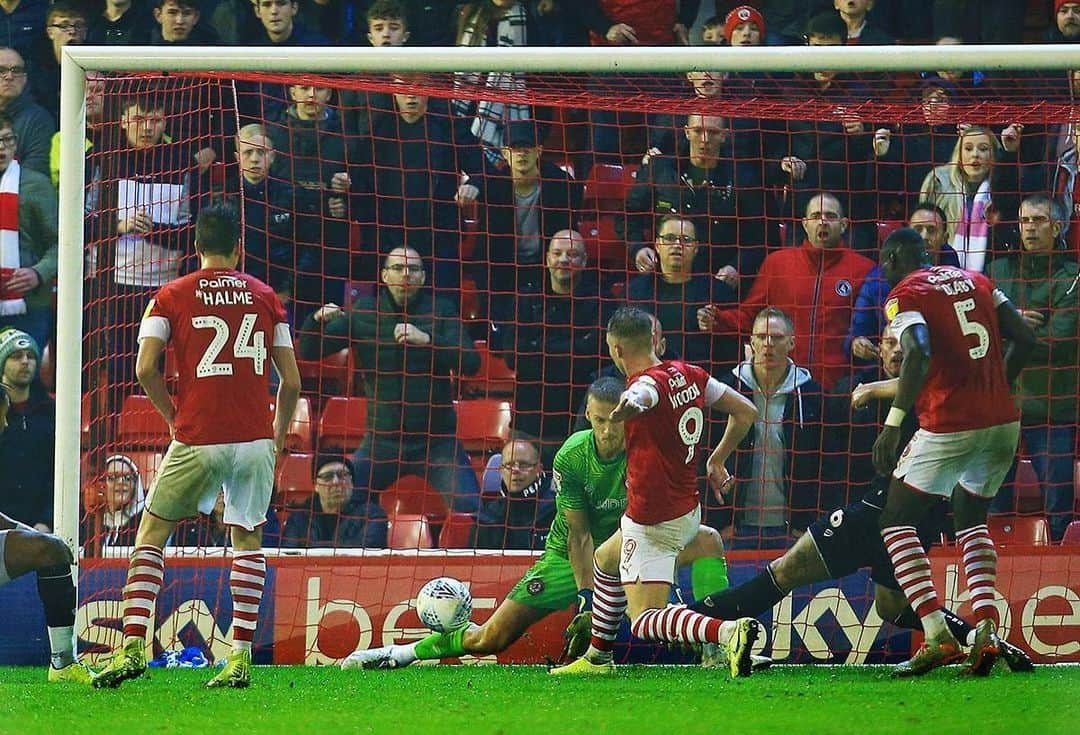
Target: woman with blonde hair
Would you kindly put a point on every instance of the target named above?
(978, 186)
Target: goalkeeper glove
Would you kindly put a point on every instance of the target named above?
(579, 631)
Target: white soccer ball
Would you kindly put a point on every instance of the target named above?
(444, 604)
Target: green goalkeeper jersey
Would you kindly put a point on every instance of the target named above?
(585, 482)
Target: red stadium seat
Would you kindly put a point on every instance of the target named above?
(86, 414)
(293, 478)
(330, 376)
(356, 238)
(607, 185)
(47, 368)
(471, 309)
(457, 531)
(1022, 530)
(483, 424)
(603, 246)
(413, 495)
(140, 425)
(409, 532)
(1027, 492)
(494, 378)
(355, 290)
(298, 438)
(888, 227)
(343, 423)
(1072, 534)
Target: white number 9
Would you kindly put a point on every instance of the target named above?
(691, 424)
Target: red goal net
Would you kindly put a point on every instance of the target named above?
(477, 231)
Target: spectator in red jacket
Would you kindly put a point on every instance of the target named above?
(815, 284)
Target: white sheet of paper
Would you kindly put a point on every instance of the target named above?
(164, 202)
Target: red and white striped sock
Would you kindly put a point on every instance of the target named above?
(980, 570)
(246, 582)
(676, 623)
(609, 606)
(912, 569)
(146, 569)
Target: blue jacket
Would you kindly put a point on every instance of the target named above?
(868, 316)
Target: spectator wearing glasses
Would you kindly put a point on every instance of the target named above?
(123, 496)
(335, 515)
(704, 183)
(779, 462)
(32, 124)
(28, 250)
(409, 342)
(675, 292)
(519, 503)
(65, 24)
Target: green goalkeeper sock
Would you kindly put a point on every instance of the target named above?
(442, 645)
(708, 575)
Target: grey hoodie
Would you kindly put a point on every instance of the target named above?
(764, 493)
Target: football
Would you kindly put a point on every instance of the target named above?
(444, 604)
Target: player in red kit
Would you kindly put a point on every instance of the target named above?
(226, 327)
(950, 323)
(663, 406)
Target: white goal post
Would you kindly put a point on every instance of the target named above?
(77, 60)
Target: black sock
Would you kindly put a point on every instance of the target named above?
(747, 600)
(57, 593)
(957, 625)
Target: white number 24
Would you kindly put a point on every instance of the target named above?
(969, 328)
(249, 344)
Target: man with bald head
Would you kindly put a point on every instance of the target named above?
(701, 181)
(406, 342)
(815, 284)
(553, 341)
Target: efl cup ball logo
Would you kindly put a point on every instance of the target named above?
(444, 604)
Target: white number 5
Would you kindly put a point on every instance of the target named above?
(972, 328)
(248, 344)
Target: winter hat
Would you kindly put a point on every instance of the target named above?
(11, 340)
(740, 15)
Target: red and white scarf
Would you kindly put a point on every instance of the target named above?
(11, 304)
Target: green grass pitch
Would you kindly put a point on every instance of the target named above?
(524, 699)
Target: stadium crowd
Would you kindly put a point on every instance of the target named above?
(449, 256)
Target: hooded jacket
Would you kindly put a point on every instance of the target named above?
(802, 436)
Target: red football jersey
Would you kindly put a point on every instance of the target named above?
(661, 444)
(966, 387)
(222, 325)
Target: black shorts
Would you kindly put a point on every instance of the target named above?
(849, 539)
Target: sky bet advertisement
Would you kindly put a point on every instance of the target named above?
(316, 610)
